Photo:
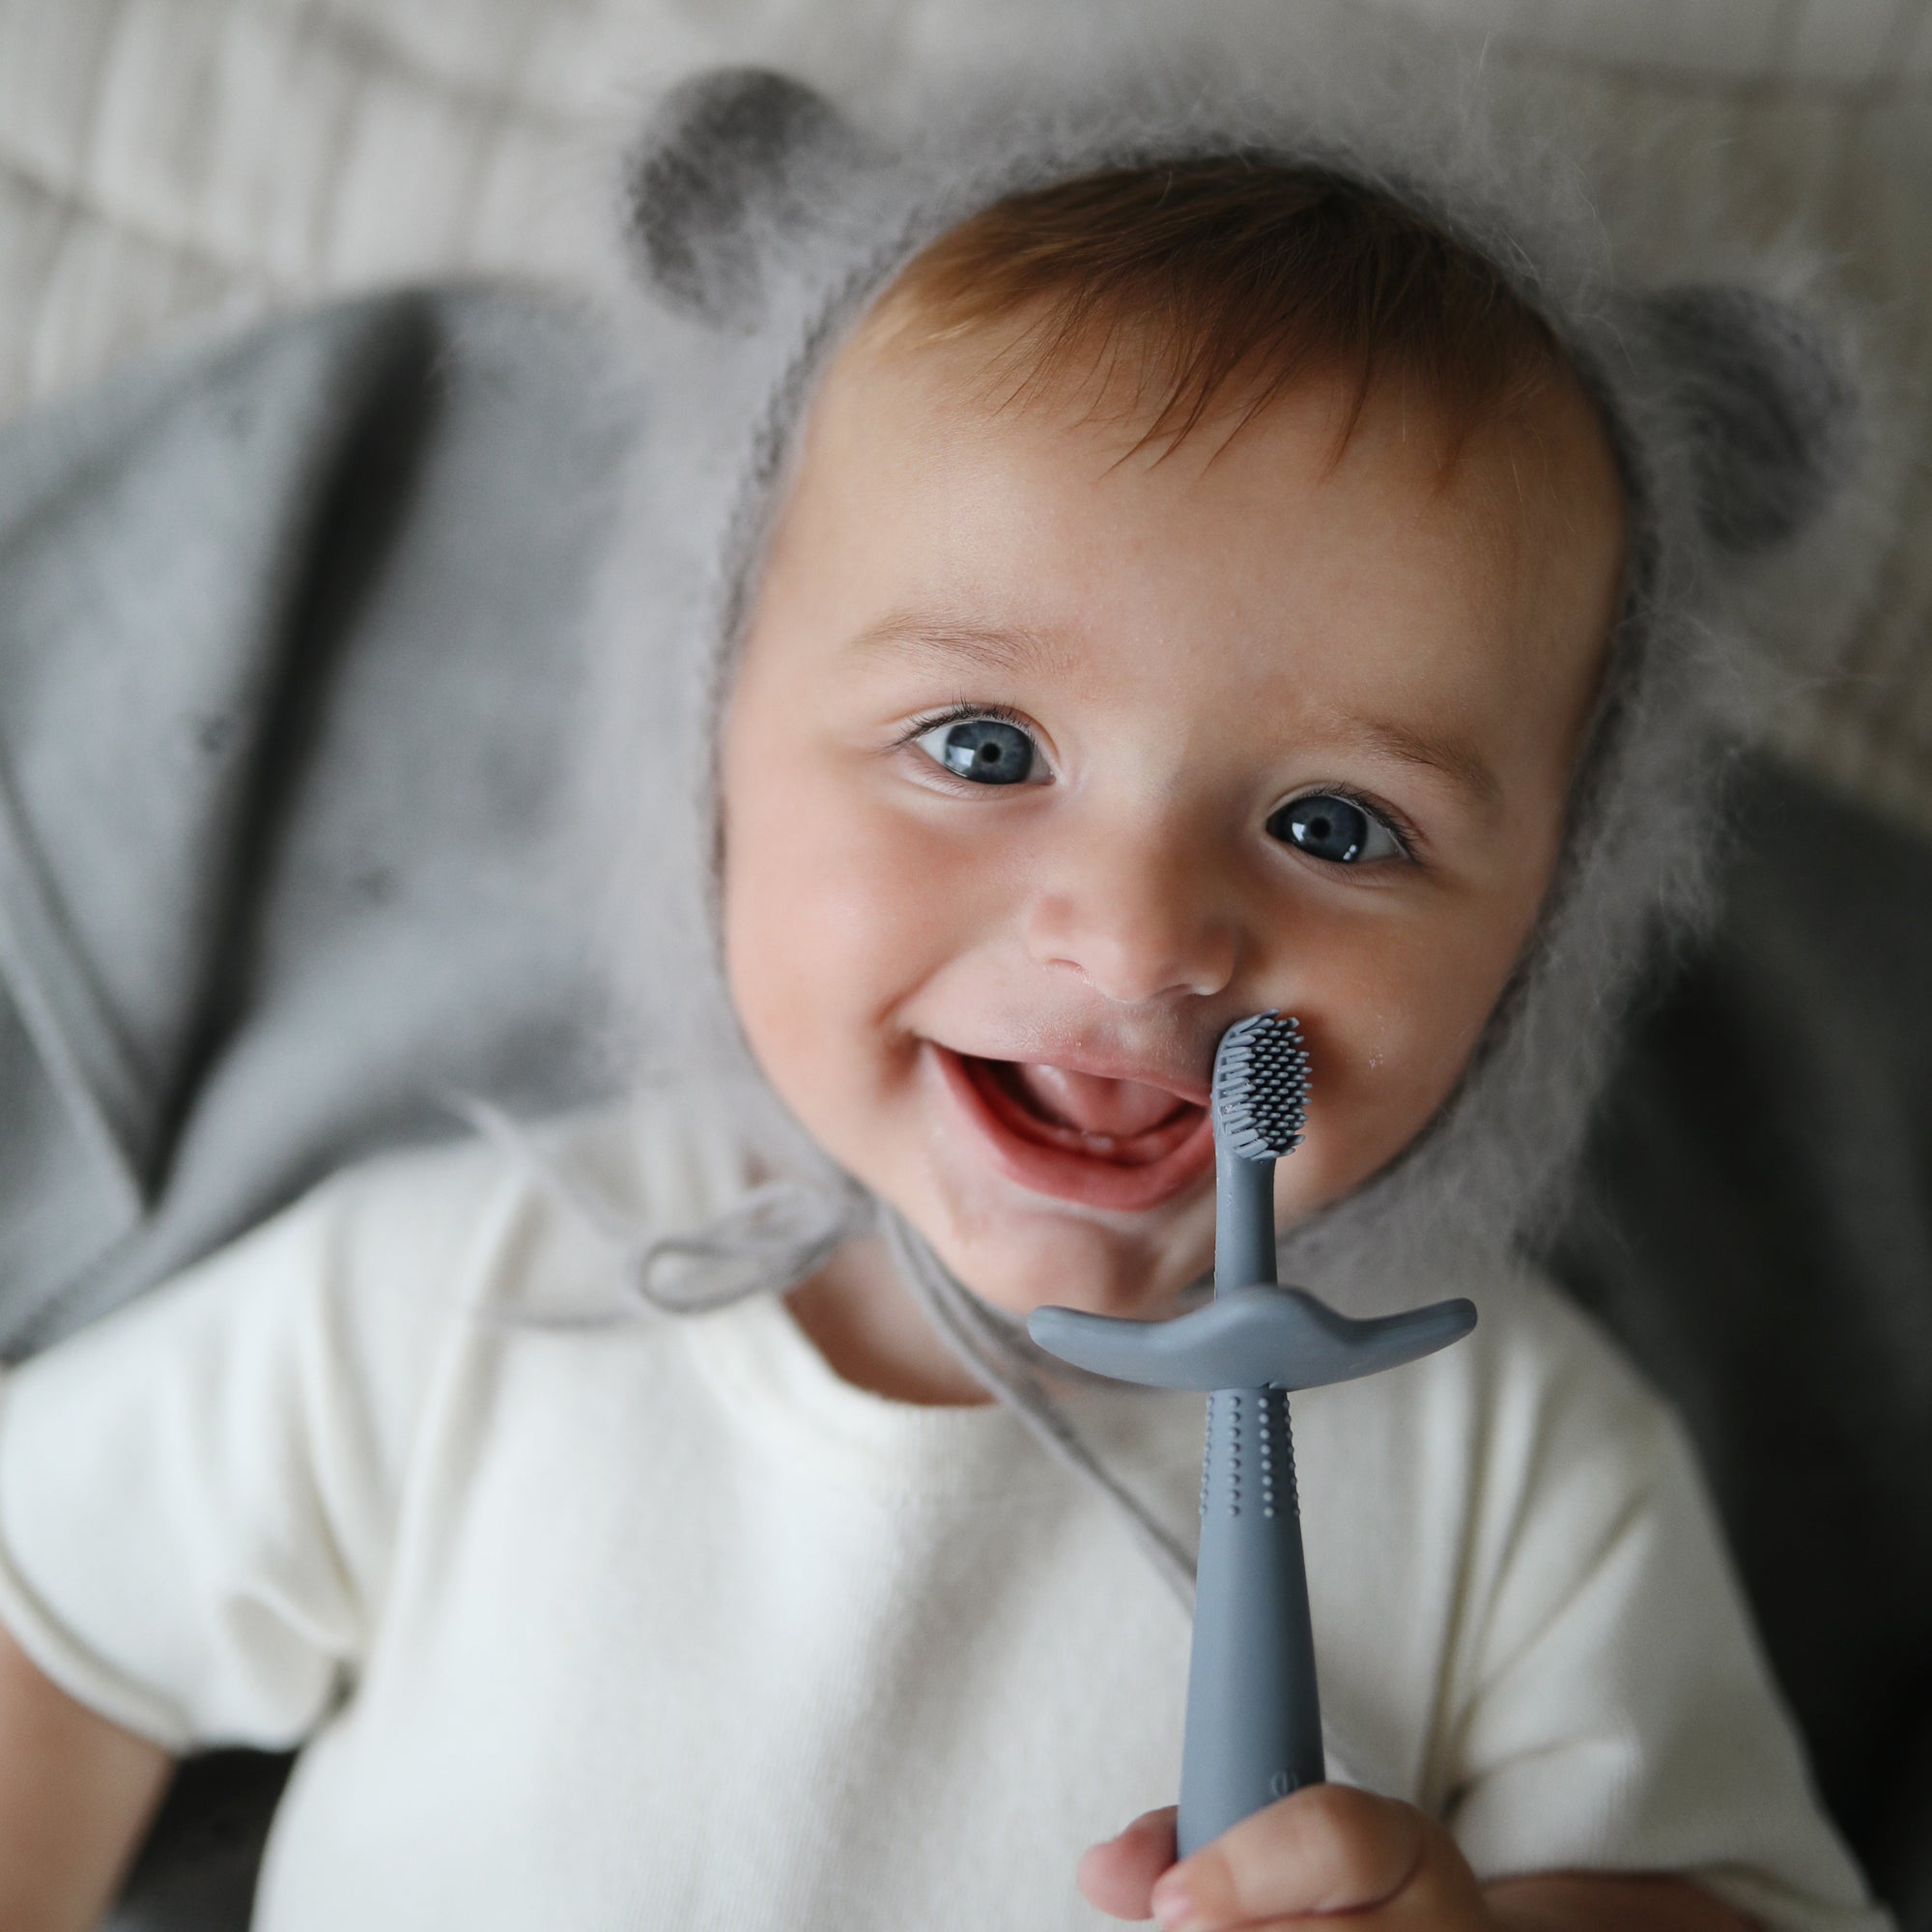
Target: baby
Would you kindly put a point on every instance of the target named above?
(1189, 564)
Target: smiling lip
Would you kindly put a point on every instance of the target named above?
(1141, 1171)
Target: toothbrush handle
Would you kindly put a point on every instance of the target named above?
(1254, 1716)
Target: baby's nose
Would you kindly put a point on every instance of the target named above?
(1137, 917)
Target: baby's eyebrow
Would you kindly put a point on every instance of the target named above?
(1456, 762)
(990, 646)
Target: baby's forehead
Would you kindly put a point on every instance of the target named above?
(1539, 461)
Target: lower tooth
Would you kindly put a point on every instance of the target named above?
(1101, 1142)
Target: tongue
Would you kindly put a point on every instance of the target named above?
(1094, 1104)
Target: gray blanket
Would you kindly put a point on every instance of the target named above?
(287, 650)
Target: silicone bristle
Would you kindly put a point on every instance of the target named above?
(1260, 1087)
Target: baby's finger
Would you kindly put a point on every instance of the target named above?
(1328, 1848)
(1118, 1877)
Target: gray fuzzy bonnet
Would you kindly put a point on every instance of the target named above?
(761, 223)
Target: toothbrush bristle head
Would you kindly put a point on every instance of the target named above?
(1260, 1087)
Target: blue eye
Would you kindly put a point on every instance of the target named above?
(988, 751)
(1327, 826)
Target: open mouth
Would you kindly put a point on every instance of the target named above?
(1121, 1144)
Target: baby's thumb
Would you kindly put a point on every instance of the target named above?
(1118, 1877)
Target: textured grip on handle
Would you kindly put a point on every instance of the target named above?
(1254, 1715)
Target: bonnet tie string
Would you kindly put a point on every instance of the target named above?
(782, 1233)
(773, 1237)
(1002, 1357)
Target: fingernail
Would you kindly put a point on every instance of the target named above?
(1172, 1907)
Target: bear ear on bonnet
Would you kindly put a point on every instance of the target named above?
(727, 178)
(1768, 403)
(739, 170)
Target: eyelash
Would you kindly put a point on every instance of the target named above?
(957, 714)
(1399, 827)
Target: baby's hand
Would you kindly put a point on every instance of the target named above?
(1330, 1848)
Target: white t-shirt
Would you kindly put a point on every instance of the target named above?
(657, 1624)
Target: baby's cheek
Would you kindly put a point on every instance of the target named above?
(1390, 1028)
(834, 915)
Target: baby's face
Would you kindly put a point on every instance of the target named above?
(1045, 761)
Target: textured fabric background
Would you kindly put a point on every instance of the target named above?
(168, 165)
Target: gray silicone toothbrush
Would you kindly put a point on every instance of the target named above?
(1254, 1714)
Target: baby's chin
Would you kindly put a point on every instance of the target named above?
(1022, 1261)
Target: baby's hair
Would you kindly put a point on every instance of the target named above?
(1234, 276)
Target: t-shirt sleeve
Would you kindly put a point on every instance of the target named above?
(197, 1493)
(1617, 1711)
